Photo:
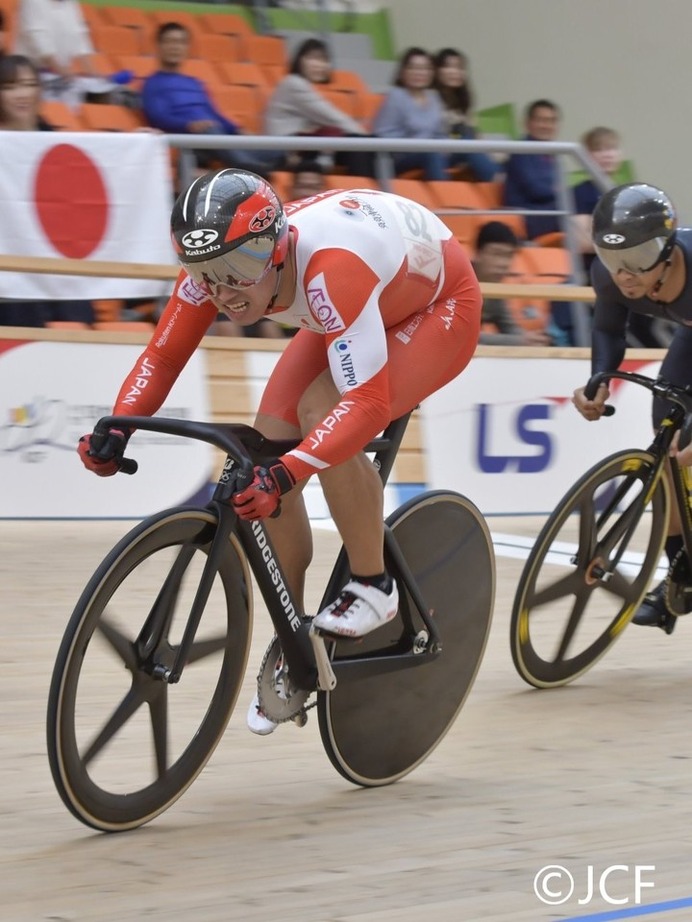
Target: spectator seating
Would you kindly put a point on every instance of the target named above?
(103, 117)
(61, 116)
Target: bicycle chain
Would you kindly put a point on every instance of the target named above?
(277, 698)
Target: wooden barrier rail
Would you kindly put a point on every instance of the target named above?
(96, 269)
(230, 393)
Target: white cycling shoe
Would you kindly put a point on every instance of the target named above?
(358, 610)
(257, 720)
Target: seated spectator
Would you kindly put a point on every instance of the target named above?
(531, 179)
(20, 100)
(496, 246)
(412, 109)
(20, 95)
(452, 83)
(296, 107)
(308, 179)
(179, 104)
(55, 36)
(603, 145)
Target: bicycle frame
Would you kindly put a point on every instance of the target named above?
(679, 418)
(245, 447)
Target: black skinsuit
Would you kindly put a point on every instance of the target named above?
(611, 312)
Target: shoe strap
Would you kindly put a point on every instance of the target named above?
(379, 601)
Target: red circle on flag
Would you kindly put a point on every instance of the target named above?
(71, 201)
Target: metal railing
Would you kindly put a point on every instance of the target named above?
(385, 147)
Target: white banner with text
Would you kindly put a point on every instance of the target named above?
(505, 432)
(50, 395)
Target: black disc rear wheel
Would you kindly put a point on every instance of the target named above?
(380, 722)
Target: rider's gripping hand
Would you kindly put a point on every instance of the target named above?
(262, 497)
(102, 454)
(591, 409)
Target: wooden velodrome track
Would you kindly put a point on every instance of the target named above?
(587, 777)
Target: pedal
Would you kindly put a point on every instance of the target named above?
(326, 680)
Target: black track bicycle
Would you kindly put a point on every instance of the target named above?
(154, 655)
(595, 557)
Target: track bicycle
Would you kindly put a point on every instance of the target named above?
(595, 556)
(153, 657)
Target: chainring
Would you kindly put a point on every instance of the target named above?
(279, 699)
(679, 585)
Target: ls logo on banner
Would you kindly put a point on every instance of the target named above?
(527, 434)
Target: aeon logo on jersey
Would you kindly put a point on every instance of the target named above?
(321, 307)
(536, 444)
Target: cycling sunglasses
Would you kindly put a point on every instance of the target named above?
(240, 268)
(635, 260)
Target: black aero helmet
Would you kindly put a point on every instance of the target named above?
(228, 228)
(633, 228)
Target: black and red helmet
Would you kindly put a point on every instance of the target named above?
(228, 228)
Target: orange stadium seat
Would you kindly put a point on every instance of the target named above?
(117, 40)
(205, 71)
(93, 16)
(367, 106)
(103, 64)
(343, 100)
(240, 104)
(225, 24)
(348, 80)
(265, 49)
(491, 192)
(415, 189)
(217, 47)
(274, 73)
(281, 181)
(103, 117)
(449, 193)
(548, 265)
(141, 65)
(339, 181)
(131, 17)
(60, 116)
(192, 21)
(244, 73)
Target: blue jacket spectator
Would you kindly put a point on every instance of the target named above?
(172, 102)
(531, 179)
(179, 104)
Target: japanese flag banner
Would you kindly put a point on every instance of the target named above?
(92, 195)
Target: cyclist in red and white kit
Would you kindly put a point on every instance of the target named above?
(388, 310)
